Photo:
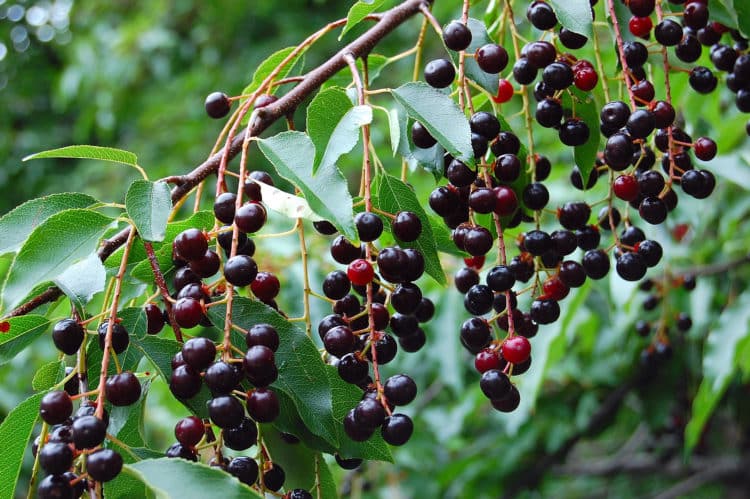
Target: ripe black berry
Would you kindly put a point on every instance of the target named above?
(456, 36)
(273, 478)
(245, 469)
(439, 73)
(400, 389)
(702, 80)
(68, 336)
(88, 432)
(421, 137)
(122, 389)
(103, 465)
(120, 339)
(406, 226)
(541, 15)
(224, 207)
(397, 429)
(263, 405)
(217, 105)
(199, 353)
(225, 411)
(56, 457)
(55, 407)
(596, 263)
(369, 226)
(250, 217)
(491, 58)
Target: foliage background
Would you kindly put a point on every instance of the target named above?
(134, 74)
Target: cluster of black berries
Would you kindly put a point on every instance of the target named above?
(356, 336)
(74, 441)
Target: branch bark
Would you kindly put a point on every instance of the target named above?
(265, 117)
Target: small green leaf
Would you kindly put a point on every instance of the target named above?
(148, 205)
(180, 479)
(358, 12)
(134, 320)
(394, 196)
(302, 373)
(574, 15)
(394, 130)
(17, 224)
(57, 243)
(15, 433)
(742, 8)
(440, 116)
(292, 154)
(89, 152)
(269, 65)
(720, 360)
(48, 375)
(585, 108)
(287, 204)
(82, 280)
(22, 332)
(479, 37)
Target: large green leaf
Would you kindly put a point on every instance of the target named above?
(17, 224)
(57, 243)
(22, 332)
(48, 375)
(574, 15)
(15, 433)
(292, 154)
(89, 152)
(82, 280)
(393, 196)
(148, 205)
(720, 360)
(479, 37)
(302, 373)
(440, 116)
(358, 12)
(180, 479)
(742, 8)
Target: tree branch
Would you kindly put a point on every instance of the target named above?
(265, 117)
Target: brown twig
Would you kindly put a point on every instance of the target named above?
(265, 117)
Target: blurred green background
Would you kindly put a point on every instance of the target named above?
(134, 75)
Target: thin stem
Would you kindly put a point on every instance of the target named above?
(621, 53)
(111, 323)
(305, 277)
(35, 468)
(163, 290)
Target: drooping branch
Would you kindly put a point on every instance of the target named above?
(264, 118)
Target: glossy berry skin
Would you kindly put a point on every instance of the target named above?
(274, 477)
(250, 217)
(509, 403)
(155, 318)
(185, 382)
(180, 451)
(516, 349)
(400, 389)
(55, 407)
(585, 79)
(626, 187)
(491, 58)
(406, 226)
(221, 378)
(640, 26)
(217, 105)
(421, 137)
(190, 244)
(103, 465)
(122, 389)
(263, 405)
(360, 272)
(56, 457)
(263, 334)
(265, 286)
(541, 15)
(245, 469)
(224, 206)
(88, 432)
(260, 367)
(506, 202)
(120, 338)
(439, 73)
(705, 149)
(241, 437)
(397, 429)
(207, 265)
(68, 336)
(199, 353)
(188, 312)
(494, 383)
(369, 226)
(240, 270)
(54, 487)
(487, 359)
(189, 431)
(505, 91)
(456, 36)
(225, 411)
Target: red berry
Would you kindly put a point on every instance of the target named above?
(585, 79)
(626, 187)
(474, 262)
(360, 272)
(506, 201)
(555, 289)
(516, 349)
(189, 431)
(504, 91)
(640, 26)
(265, 286)
(487, 359)
(705, 149)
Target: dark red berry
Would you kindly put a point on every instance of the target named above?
(456, 36)
(55, 407)
(68, 336)
(397, 429)
(88, 432)
(103, 465)
(491, 58)
(189, 431)
(191, 244)
(263, 405)
(250, 217)
(154, 317)
(265, 286)
(199, 353)
(188, 312)
(240, 270)
(439, 73)
(122, 389)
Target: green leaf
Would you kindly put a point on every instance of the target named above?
(394, 196)
(720, 360)
(440, 116)
(17, 224)
(358, 12)
(292, 153)
(479, 37)
(301, 465)
(724, 12)
(15, 433)
(148, 205)
(333, 125)
(22, 332)
(443, 241)
(742, 8)
(268, 66)
(57, 243)
(585, 109)
(302, 373)
(126, 422)
(394, 130)
(375, 65)
(48, 375)
(89, 152)
(82, 280)
(574, 15)
(180, 479)
(134, 320)
(287, 204)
